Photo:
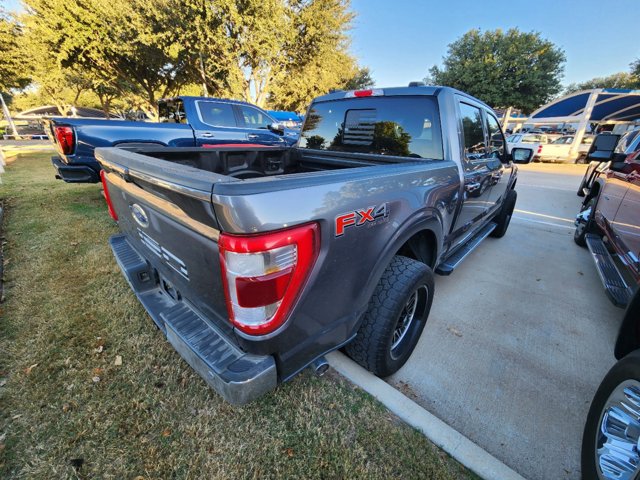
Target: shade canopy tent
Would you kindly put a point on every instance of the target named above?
(596, 106)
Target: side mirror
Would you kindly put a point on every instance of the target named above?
(603, 147)
(521, 155)
(277, 128)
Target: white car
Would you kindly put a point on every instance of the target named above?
(534, 141)
(558, 150)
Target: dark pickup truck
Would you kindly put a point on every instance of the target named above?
(184, 122)
(256, 263)
(609, 225)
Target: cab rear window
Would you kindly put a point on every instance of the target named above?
(395, 126)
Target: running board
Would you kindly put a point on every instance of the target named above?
(615, 286)
(455, 259)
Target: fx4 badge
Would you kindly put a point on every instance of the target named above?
(359, 218)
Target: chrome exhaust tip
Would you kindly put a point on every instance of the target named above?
(320, 366)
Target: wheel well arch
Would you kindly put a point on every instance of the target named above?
(421, 246)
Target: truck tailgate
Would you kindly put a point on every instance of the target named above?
(173, 226)
(168, 252)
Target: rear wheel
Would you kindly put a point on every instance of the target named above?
(396, 316)
(612, 430)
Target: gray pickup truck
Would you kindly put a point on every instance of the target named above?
(255, 263)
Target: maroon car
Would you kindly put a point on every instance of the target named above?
(609, 225)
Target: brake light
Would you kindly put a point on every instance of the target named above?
(372, 92)
(107, 197)
(65, 139)
(539, 149)
(264, 274)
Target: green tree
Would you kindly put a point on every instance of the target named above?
(12, 71)
(318, 58)
(361, 80)
(280, 53)
(617, 80)
(512, 69)
(132, 46)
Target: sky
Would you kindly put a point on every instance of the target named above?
(399, 40)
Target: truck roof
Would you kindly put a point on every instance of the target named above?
(427, 90)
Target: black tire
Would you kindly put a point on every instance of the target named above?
(627, 369)
(503, 218)
(582, 228)
(373, 346)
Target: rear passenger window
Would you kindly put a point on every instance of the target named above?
(473, 132)
(217, 114)
(254, 118)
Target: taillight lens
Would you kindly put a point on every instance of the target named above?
(65, 139)
(264, 274)
(107, 197)
(539, 148)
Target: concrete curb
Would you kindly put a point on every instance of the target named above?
(455, 444)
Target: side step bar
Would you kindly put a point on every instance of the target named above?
(615, 286)
(455, 259)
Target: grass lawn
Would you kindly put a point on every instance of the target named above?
(90, 388)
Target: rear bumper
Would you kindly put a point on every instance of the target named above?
(237, 376)
(76, 173)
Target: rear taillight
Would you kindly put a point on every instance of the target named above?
(107, 197)
(264, 274)
(65, 139)
(539, 149)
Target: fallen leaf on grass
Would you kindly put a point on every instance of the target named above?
(73, 244)
(97, 371)
(455, 331)
(28, 369)
(118, 361)
(96, 379)
(100, 349)
(3, 382)
(65, 407)
(166, 433)
(289, 452)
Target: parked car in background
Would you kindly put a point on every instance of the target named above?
(528, 140)
(289, 119)
(609, 225)
(245, 257)
(184, 122)
(558, 149)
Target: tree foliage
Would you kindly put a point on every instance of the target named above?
(617, 80)
(280, 53)
(12, 72)
(512, 69)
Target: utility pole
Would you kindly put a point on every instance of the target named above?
(5, 110)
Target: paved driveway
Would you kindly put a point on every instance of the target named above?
(520, 335)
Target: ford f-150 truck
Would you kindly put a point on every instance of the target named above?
(256, 263)
(184, 122)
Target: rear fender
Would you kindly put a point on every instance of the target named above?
(426, 220)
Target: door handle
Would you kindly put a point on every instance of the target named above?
(206, 135)
(252, 136)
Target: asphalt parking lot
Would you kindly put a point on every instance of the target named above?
(520, 335)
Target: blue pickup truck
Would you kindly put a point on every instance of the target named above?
(184, 122)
